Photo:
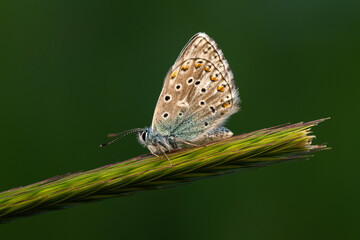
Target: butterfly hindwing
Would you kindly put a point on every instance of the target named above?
(199, 93)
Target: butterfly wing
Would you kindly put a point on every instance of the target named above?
(199, 92)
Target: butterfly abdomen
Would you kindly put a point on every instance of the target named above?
(213, 135)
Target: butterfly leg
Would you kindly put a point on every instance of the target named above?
(166, 155)
(156, 149)
(152, 152)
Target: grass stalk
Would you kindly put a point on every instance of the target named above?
(146, 172)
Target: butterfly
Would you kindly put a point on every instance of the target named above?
(198, 96)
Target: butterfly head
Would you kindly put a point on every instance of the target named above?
(156, 143)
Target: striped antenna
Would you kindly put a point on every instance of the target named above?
(120, 135)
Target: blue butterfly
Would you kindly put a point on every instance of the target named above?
(198, 96)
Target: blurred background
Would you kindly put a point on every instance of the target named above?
(73, 71)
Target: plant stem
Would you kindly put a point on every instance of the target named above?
(147, 172)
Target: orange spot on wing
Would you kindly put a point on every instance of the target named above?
(207, 69)
(173, 75)
(225, 105)
(220, 88)
(185, 67)
(223, 112)
(197, 65)
(214, 79)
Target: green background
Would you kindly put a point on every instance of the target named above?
(73, 71)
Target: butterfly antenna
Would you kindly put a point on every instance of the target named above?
(120, 135)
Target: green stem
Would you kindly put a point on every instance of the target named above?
(256, 149)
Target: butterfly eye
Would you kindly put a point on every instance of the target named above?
(143, 135)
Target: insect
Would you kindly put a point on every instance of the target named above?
(198, 96)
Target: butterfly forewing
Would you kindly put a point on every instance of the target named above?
(199, 93)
